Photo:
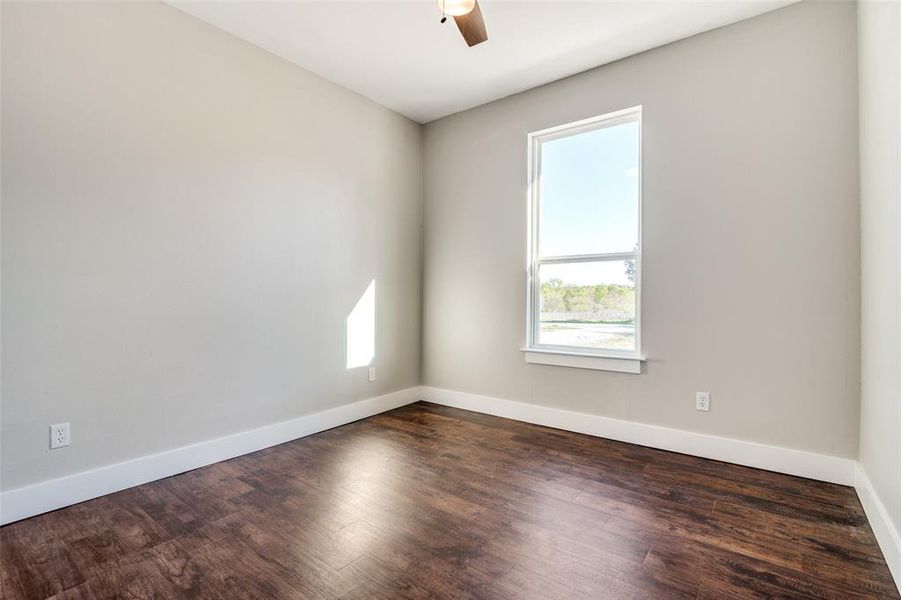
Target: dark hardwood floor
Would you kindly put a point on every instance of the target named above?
(433, 502)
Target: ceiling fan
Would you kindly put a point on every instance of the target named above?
(468, 17)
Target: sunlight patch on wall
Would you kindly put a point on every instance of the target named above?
(360, 330)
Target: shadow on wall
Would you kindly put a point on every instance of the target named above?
(359, 330)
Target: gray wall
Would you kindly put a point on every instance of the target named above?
(751, 259)
(187, 221)
(880, 199)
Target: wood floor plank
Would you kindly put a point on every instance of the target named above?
(430, 502)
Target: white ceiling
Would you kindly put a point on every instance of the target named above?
(399, 55)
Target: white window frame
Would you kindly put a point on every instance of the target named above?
(626, 361)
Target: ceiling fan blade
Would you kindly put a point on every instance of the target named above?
(472, 26)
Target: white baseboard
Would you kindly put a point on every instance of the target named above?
(885, 531)
(50, 495)
(772, 458)
(57, 493)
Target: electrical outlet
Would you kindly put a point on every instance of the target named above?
(702, 401)
(371, 373)
(59, 435)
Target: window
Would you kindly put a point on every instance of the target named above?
(585, 243)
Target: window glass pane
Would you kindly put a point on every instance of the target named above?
(588, 305)
(589, 192)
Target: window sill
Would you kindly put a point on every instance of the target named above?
(576, 360)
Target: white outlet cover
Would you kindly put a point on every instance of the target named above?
(702, 401)
(59, 435)
(371, 373)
